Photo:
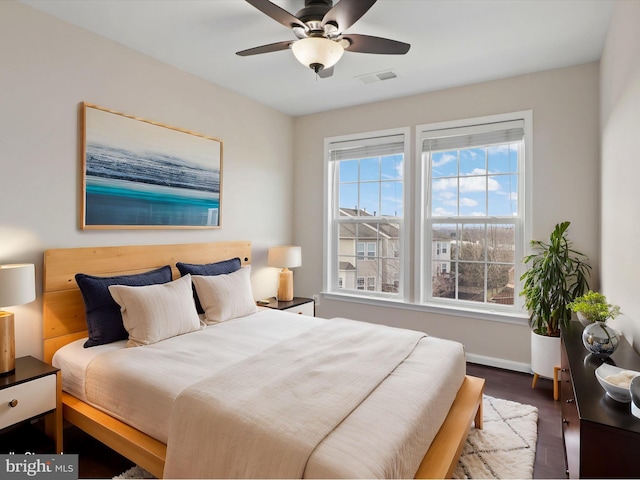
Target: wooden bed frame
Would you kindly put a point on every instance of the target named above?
(64, 322)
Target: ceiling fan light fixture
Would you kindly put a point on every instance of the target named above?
(317, 52)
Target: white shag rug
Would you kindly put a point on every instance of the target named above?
(134, 472)
(504, 448)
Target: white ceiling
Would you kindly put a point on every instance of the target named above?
(453, 43)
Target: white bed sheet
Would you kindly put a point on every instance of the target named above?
(73, 360)
(138, 386)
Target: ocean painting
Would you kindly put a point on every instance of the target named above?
(141, 174)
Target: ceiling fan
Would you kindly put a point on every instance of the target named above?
(320, 28)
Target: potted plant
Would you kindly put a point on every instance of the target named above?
(593, 307)
(593, 311)
(557, 274)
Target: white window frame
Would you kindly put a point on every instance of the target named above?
(523, 223)
(412, 247)
(331, 250)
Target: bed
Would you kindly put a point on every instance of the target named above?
(64, 325)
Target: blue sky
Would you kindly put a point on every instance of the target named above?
(487, 183)
(380, 188)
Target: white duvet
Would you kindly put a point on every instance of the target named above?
(386, 436)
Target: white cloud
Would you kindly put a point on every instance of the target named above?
(504, 148)
(468, 202)
(447, 195)
(441, 212)
(444, 159)
(444, 184)
(478, 184)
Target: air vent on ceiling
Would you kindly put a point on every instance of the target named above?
(377, 77)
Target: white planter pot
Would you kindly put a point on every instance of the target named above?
(545, 354)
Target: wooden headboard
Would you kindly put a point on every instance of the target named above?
(63, 308)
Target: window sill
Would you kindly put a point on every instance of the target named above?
(490, 315)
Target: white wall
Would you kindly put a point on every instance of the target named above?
(48, 68)
(565, 184)
(620, 129)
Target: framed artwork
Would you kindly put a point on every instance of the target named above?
(139, 174)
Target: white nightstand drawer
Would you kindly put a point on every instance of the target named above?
(304, 309)
(33, 398)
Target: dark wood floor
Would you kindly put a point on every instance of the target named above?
(98, 461)
(517, 387)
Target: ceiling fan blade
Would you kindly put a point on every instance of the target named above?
(347, 12)
(272, 47)
(325, 72)
(369, 44)
(278, 14)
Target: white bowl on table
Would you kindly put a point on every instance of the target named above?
(612, 386)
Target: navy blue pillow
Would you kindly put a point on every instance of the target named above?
(104, 320)
(209, 270)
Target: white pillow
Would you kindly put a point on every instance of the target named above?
(155, 312)
(224, 297)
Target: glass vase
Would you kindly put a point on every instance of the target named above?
(600, 339)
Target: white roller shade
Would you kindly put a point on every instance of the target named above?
(367, 147)
(477, 136)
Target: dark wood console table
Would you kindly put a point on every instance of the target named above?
(601, 436)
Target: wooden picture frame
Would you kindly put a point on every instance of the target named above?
(139, 174)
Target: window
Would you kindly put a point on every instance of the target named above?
(468, 199)
(367, 249)
(472, 180)
(371, 284)
(366, 203)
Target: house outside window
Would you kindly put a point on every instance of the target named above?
(365, 221)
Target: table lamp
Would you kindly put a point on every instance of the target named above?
(285, 257)
(17, 287)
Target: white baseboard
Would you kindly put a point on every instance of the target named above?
(499, 363)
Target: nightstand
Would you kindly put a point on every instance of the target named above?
(34, 389)
(300, 305)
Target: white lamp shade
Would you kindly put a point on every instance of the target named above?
(312, 51)
(17, 284)
(287, 256)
